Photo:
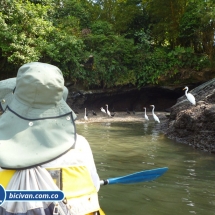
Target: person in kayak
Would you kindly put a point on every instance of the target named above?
(37, 135)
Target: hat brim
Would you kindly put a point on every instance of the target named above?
(7, 98)
(6, 92)
(40, 141)
(39, 113)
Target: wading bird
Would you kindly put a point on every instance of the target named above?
(94, 113)
(146, 117)
(154, 116)
(128, 112)
(113, 114)
(108, 112)
(85, 115)
(103, 110)
(189, 96)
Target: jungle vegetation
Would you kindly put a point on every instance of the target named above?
(133, 42)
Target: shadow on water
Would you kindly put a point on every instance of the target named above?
(124, 148)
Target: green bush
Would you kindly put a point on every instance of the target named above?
(161, 61)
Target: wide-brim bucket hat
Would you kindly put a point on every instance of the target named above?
(37, 125)
(7, 88)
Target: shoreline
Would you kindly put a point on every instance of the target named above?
(120, 117)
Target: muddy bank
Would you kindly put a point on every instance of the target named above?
(120, 117)
(120, 99)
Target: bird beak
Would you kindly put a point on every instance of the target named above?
(184, 89)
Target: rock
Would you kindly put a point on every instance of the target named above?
(195, 125)
(121, 99)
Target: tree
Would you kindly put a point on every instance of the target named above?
(207, 27)
(164, 19)
(24, 28)
(122, 14)
(189, 28)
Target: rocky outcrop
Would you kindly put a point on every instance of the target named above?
(195, 124)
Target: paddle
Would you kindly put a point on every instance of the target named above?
(143, 176)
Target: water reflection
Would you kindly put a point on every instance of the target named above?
(145, 127)
(122, 148)
(85, 129)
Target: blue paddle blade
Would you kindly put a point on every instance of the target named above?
(143, 176)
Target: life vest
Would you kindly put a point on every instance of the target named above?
(73, 178)
(75, 181)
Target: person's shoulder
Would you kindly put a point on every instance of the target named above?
(82, 143)
(81, 138)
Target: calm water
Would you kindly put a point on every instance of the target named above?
(188, 187)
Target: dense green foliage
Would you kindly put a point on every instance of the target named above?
(133, 42)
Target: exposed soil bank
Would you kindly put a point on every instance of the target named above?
(120, 117)
(185, 123)
(124, 98)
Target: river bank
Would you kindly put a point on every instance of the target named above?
(194, 124)
(186, 123)
(121, 117)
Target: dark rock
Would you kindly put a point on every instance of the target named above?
(195, 125)
(121, 99)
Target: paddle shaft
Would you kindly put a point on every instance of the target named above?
(143, 176)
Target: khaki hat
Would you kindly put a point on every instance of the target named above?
(37, 125)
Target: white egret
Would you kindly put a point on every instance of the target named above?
(146, 117)
(108, 112)
(85, 115)
(103, 110)
(189, 96)
(154, 116)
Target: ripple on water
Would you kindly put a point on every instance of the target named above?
(188, 187)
